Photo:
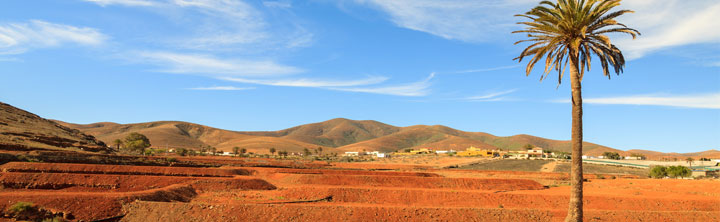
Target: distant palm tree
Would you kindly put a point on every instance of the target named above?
(690, 161)
(568, 33)
(117, 143)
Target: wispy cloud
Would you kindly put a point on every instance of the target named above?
(123, 2)
(420, 88)
(702, 101)
(465, 20)
(277, 4)
(489, 97)
(663, 23)
(222, 88)
(212, 66)
(309, 82)
(17, 38)
(226, 25)
(486, 69)
(670, 23)
(366, 85)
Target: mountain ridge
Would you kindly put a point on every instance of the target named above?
(341, 135)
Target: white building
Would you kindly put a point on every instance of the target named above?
(352, 154)
(376, 153)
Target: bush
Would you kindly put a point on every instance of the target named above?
(658, 172)
(22, 208)
(679, 171)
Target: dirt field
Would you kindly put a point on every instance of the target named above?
(366, 191)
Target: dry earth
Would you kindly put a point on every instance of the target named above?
(310, 191)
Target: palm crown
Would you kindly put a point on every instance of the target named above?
(573, 30)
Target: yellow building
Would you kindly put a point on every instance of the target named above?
(472, 151)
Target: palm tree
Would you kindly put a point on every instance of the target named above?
(690, 161)
(117, 143)
(568, 33)
(272, 151)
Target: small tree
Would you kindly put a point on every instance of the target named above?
(213, 150)
(136, 142)
(272, 151)
(182, 151)
(117, 143)
(639, 156)
(236, 150)
(658, 172)
(679, 171)
(612, 155)
(690, 160)
(319, 150)
(243, 151)
(528, 146)
(306, 151)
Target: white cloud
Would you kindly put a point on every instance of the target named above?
(702, 101)
(212, 66)
(123, 2)
(466, 20)
(309, 82)
(222, 88)
(669, 23)
(367, 85)
(225, 25)
(419, 88)
(487, 69)
(663, 23)
(493, 96)
(277, 4)
(16, 38)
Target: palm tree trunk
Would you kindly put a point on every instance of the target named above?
(575, 212)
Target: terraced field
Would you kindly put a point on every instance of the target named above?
(316, 192)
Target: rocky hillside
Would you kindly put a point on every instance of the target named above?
(22, 131)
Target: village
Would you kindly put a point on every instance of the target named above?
(703, 167)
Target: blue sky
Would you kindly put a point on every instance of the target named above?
(269, 65)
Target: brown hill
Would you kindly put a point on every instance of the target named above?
(333, 133)
(712, 154)
(21, 131)
(176, 134)
(336, 135)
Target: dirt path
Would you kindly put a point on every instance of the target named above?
(549, 167)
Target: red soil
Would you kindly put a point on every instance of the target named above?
(118, 183)
(98, 191)
(120, 169)
(93, 206)
(410, 182)
(251, 162)
(485, 199)
(342, 172)
(140, 211)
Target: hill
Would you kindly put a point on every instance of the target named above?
(21, 130)
(340, 135)
(334, 133)
(176, 134)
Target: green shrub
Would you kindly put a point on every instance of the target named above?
(679, 171)
(54, 219)
(21, 207)
(658, 172)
